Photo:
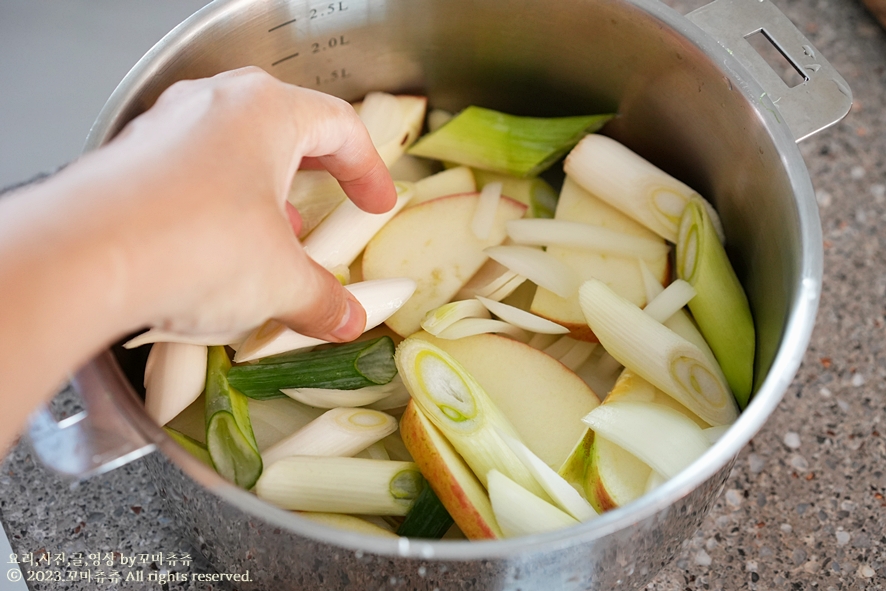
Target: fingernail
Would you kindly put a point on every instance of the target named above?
(353, 322)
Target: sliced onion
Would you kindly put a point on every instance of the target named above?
(487, 207)
(674, 297)
(522, 318)
(474, 326)
(439, 319)
(329, 398)
(157, 335)
(553, 232)
(538, 266)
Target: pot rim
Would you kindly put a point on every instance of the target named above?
(794, 341)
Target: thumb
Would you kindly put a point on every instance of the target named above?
(321, 307)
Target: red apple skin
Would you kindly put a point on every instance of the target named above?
(449, 476)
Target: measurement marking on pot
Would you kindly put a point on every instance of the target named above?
(333, 76)
(281, 25)
(330, 44)
(288, 57)
(328, 10)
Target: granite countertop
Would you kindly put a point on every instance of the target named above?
(805, 506)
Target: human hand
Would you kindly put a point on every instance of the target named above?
(207, 236)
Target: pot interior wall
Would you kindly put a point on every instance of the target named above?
(528, 57)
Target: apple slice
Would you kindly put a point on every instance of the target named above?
(449, 476)
(622, 274)
(614, 477)
(433, 244)
(543, 399)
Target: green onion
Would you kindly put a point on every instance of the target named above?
(337, 432)
(519, 146)
(190, 445)
(341, 485)
(427, 519)
(721, 307)
(344, 367)
(657, 354)
(457, 405)
(229, 436)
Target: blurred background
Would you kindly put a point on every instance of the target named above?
(59, 62)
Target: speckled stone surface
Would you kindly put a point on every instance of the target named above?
(805, 507)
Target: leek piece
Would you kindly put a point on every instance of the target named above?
(519, 146)
(561, 492)
(630, 183)
(380, 298)
(331, 398)
(175, 374)
(439, 319)
(457, 405)
(337, 432)
(341, 485)
(428, 518)
(344, 367)
(451, 181)
(190, 445)
(721, 307)
(469, 327)
(521, 513)
(538, 266)
(484, 215)
(535, 192)
(658, 354)
(343, 235)
(229, 436)
(663, 438)
(671, 300)
(567, 234)
(523, 319)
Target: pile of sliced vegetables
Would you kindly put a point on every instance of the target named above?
(500, 312)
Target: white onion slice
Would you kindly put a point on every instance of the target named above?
(522, 318)
(663, 438)
(158, 335)
(538, 266)
(469, 327)
(487, 206)
(329, 398)
(519, 512)
(553, 232)
(674, 297)
(439, 319)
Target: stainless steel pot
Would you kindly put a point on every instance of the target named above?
(692, 96)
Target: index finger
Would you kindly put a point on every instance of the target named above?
(339, 142)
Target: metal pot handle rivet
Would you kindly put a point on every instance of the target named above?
(95, 440)
(821, 100)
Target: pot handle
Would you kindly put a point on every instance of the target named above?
(822, 99)
(95, 440)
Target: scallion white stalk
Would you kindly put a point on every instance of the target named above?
(439, 319)
(538, 266)
(339, 432)
(348, 522)
(521, 513)
(174, 377)
(629, 183)
(665, 439)
(341, 485)
(343, 235)
(553, 232)
(380, 298)
(658, 354)
(457, 405)
(523, 319)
